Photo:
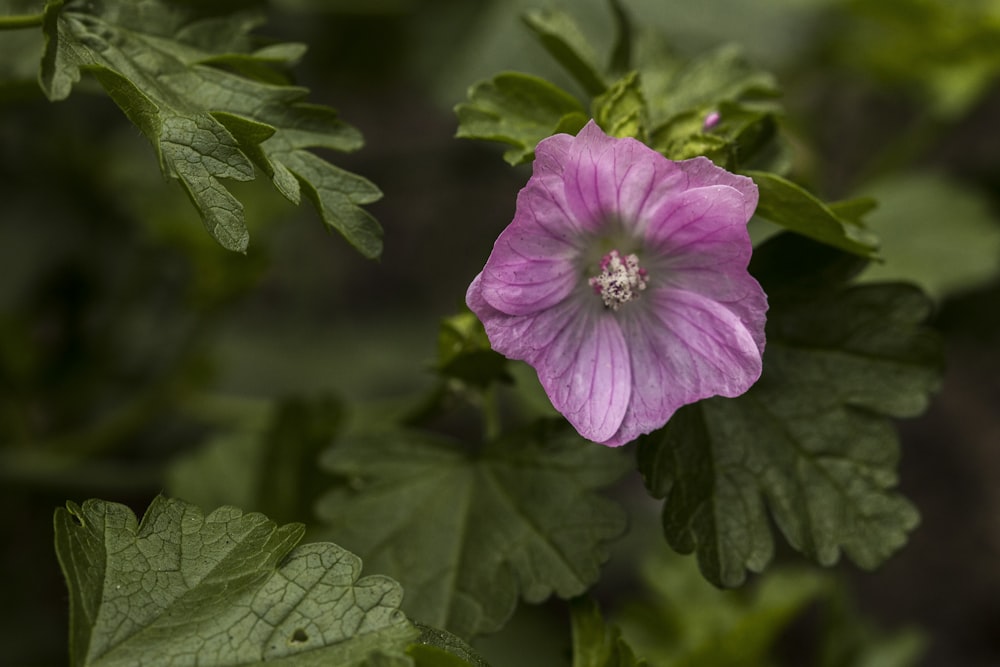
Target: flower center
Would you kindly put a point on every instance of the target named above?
(620, 280)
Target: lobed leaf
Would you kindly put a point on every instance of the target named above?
(227, 588)
(812, 441)
(519, 110)
(467, 534)
(674, 87)
(212, 108)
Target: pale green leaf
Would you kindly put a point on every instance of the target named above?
(812, 441)
(437, 648)
(467, 533)
(519, 110)
(947, 51)
(673, 86)
(935, 232)
(621, 110)
(224, 589)
(596, 644)
(681, 620)
(162, 63)
(561, 37)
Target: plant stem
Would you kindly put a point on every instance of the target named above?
(491, 414)
(21, 21)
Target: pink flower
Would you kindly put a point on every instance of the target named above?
(623, 280)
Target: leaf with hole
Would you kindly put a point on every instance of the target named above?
(219, 589)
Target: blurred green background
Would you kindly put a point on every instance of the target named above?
(128, 337)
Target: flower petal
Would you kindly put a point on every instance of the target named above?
(701, 221)
(579, 353)
(532, 264)
(614, 178)
(702, 172)
(684, 348)
(586, 372)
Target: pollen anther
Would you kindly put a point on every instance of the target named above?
(620, 280)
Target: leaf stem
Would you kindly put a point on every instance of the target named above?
(491, 414)
(21, 21)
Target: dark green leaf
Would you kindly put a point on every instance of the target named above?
(520, 110)
(596, 644)
(467, 534)
(812, 441)
(620, 61)
(562, 38)
(162, 64)
(222, 589)
(786, 204)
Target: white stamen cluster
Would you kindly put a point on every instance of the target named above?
(620, 280)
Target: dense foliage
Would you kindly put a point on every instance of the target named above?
(229, 424)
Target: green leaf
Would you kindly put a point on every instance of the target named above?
(620, 60)
(596, 644)
(813, 440)
(683, 621)
(468, 533)
(520, 110)
(682, 94)
(621, 110)
(561, 37)
(437, 648)
(162, 64)
(464, 352)
(674, 87)
(222, 589)
(790, 206)
(935, 232)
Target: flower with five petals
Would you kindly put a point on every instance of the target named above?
(623, 281)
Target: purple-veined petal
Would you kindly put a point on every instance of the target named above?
(696, 331)
(620, 179)
(579, 353)
(697, 219)
(519, 279)
(702, 172)
(684, 348)
(586, 372)
(532, 264)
